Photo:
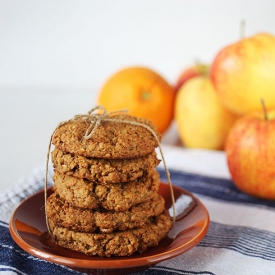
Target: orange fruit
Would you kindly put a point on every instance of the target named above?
(143, 92)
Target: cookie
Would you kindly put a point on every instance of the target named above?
(103, 170)
(118, 196)
(85, 220)
(121, 243)
(111, 140)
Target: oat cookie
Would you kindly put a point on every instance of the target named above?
(103, 170)
(118, 196)
(121, 243)
(111, 140)
(86, 220)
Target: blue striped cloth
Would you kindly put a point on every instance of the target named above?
(240, 239)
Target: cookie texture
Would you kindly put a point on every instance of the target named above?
(111, 140)
(103, 170)
(105, 199)
(100, 220)
(119, 196)
(120, 243)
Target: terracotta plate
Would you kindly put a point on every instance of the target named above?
(29, 231)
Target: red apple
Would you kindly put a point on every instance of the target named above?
(196, 70)
(250, 152)
(244, 72)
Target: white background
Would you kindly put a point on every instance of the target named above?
(80, 43)
(55, 56)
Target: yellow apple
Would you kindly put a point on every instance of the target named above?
(243, 73)
(201, 119)
(250, 152)
(191, 71)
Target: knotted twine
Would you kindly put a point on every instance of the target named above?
(95, 120)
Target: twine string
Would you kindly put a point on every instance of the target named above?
(94, 120)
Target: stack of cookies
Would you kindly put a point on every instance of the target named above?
(105, 200)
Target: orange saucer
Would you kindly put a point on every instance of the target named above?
(28, 229)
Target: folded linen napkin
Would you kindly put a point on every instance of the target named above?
(240, 239)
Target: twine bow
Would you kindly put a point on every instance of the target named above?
(95, 119)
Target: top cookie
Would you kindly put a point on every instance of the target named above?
(111, 140)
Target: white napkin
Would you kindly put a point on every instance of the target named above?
(241, 236)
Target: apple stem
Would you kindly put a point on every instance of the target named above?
(264, 109)
(242, 29)
(202, 68)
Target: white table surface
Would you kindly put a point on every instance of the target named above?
(28, 117)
